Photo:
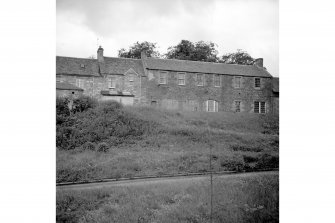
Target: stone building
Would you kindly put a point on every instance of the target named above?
(171, 84)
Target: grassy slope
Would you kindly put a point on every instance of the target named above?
(240, 198)
(179, 146)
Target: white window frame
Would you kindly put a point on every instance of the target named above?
(259, 111)
(112, 82)
(162, 76)
(260, 83)
(181, 79)
(237, 109)
(215, 106)
(217, 75)
(80, 83)
(240, 82)
(131, 79)
(202, 78)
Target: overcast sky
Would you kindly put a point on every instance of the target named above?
(251, 25)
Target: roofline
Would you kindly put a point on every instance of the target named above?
(74, 89)
(85, 75)
(78, 58)
(244, 75)
(121, 58)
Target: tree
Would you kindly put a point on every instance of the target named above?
(239, 57)
(136, 49)
(199, 51)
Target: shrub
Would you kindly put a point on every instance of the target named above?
(89, 146)
(110, 106)
(102, 147)
(267, 161)
(83, 103)
(62, 108)
(244, 148)
(250, 159)
(233, 163)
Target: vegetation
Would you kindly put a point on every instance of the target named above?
(187, 50)
(239, 198)
(239, 57)
(199, 51)
(108, 140)
(135, 50)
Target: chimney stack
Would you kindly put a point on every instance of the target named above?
(259, 62)
(143, 54)
(100, 54)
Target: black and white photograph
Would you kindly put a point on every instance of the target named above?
(167, 111)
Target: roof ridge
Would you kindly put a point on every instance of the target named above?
(121, 58)
(197, 61)
(77, 58)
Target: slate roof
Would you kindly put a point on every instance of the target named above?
(67, 86)
(115, 65)
(206, 67)
(275, 84)
(72, 66)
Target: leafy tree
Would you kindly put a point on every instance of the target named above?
(239, 57)
(135, 50)
(199, 51)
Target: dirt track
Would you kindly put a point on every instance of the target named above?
(141, 182)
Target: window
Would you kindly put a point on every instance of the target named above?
(200, 80)
(259, 107)
(237, 82)
(212, 106)
(237, 106)
(181, 78)
(162, 77)
(217, 80)
(111, 82)
(82, 65)
(257, 82)
(131, 80)
(80, 83)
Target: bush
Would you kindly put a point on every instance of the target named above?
(267, 161)
(89, 146)
(62, 108)
(83, 103)
(103, 147)
(245, 148)
(234, 163)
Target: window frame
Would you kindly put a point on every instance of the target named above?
(110, 85)
(259, 104)
(215, 105)
(240, 82)
(184, 79)
(239, 105)
(260, 84)
(164, 73)
(80, 83)
(214, 81)
(202, 78)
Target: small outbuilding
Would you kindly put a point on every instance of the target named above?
(64, 89)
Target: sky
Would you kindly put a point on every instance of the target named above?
(250, 25)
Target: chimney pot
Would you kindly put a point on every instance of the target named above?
(259, 62)
(143, 54)
(101, 54)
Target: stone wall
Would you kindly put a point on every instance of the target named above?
(193, 98)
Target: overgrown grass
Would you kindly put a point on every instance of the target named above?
(240, 198)
(111, 141)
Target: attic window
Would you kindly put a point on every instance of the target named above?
(257, 82)
(82, 65)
